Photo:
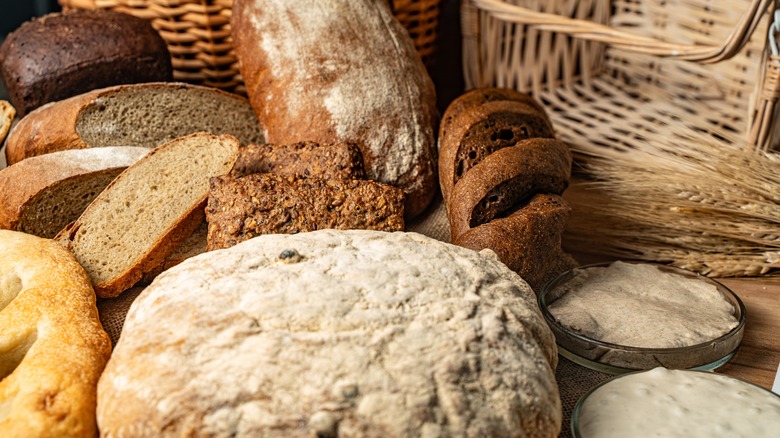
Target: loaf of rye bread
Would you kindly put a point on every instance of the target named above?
(342, 71)
(64, 54)
(501, 173)
(304, 159)
(146, 115)
(240, 208)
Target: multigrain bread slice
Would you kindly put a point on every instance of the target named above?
(266, 203)
(41, 195)
(304, 159)
(146, 115)
(151, 207)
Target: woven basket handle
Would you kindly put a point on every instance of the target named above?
(705, 54)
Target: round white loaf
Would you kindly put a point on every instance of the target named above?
(334, 334)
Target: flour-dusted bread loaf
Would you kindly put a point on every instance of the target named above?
(334, 333)
(150, 208)
(267, 203)
(52, 346)
(342, 71)
(43, 194)
(132, 115)
(64, 54)
(303, 159)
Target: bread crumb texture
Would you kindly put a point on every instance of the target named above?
(362, 333)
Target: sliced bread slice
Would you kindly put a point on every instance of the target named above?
(147, 115)
(149, 209)
(43, 194)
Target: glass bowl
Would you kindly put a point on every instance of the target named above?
(700, 403)
(617, 359)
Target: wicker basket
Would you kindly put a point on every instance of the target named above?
(615, 72)
(198, 33)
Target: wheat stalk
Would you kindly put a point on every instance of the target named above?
(704, 205)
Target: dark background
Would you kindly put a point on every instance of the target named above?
(446, 69)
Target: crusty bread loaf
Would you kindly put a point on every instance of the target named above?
(64, 54)
(151, 207)
(52, 346)
(132, 115)
(528, 241)
(478, 130)
(506, 178)
(342, 71)
(304, 159)
(41, 195)
(266, 203)
(334, 333)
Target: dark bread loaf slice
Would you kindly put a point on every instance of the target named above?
(480, 96)
(481, 130)
(329, 161)
(64, 54)
(41, 195)
(528, 241)
(342, 71)
(148, 210)
(132, 115)
(266, 203)
(506, 179)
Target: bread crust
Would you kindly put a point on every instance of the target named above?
(52, 329)
(52, 127)
(342, 71)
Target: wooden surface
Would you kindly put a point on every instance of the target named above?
(757, 358)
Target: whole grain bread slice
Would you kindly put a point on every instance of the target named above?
(151, 207)
(41, 195)
(303, 159)
(148, 114)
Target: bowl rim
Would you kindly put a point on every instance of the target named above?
(548, 316)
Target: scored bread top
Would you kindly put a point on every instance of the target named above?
(131, 227)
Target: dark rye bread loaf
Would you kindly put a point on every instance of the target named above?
(305, 159)
(266, 203)
(146, 115)
(64, 54)
(528, 241)
(507, 178)
(482, 129)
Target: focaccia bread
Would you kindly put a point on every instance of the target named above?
(61, 55)
(145, 115)
(52, 346)
(342, 71)
(334, 333)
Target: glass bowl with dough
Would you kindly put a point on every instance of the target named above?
(676, 403)
(628, 316)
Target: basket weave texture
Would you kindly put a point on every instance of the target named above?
(198, 33)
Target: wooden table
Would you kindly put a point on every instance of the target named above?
(759, 355)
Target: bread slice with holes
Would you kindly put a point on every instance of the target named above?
(41, 195)
(146, 115)
(150, 208)
(477, 129)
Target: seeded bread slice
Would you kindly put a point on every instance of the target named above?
(481, 130)
(304, 159)
(267, 203)
(149, 209)
(146, 115)
(41, 195)
(506, 179)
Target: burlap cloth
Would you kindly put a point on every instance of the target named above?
(573, 380)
